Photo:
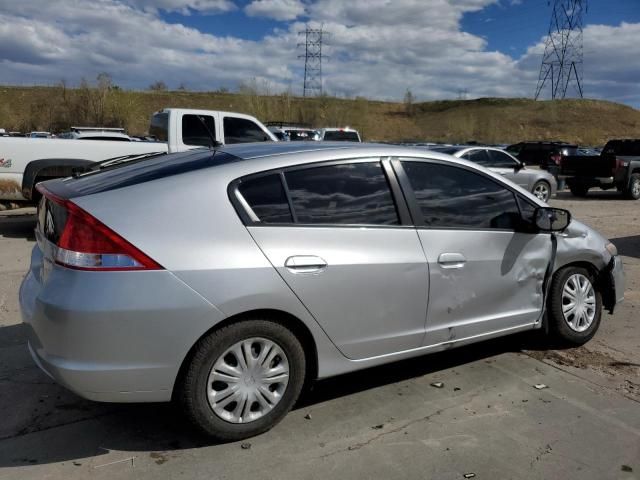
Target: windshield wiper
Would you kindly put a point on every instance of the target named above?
(110, 162)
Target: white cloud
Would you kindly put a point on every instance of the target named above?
(376, 48)
(277, 9)
(184, 6)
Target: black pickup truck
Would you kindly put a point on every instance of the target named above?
(618, 166)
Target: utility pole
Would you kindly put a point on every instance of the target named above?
(313, 56)
(563, 56)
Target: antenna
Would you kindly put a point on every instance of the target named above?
(563, 56)
(313, 56)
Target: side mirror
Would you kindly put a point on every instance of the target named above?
(550, 219)
(518, 166)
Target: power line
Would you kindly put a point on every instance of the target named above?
(314, 38)
(563, 54)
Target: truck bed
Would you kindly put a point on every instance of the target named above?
(588, 166)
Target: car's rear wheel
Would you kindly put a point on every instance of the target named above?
(578, 189)
(242, 379)
(542, 190)
(633, 190)
(575, 306)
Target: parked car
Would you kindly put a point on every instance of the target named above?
(40, 135)
(617, 166)
(29, 161)
(243, 299)
(96, 133)
(539, 182)
(338, 135)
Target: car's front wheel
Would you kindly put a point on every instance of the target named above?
(575, 305)
(242, 379)
(542, 190)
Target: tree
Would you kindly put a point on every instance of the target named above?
(158, 86)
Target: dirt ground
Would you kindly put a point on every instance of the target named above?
(488, 419)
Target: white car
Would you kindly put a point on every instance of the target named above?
(96, 133)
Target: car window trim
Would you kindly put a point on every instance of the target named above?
(412, 201)
(397, 196)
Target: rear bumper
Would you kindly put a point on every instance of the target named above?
(112, 336)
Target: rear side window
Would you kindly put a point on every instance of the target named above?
(454, 197)
(195, 133)
(267, 198)
(352, 194)
(241, 130)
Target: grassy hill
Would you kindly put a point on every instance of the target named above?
(491, 120)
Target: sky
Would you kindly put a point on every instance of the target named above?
(376, 48)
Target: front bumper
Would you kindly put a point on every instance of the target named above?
(613, 284)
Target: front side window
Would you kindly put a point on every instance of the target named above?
(351, 194)
(501, 160)
(454, 197)
(197, 130)
(267, 198)
(478, 156)
(241, 130)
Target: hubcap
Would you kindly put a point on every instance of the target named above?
(578, 302)
(541, 191)
(248, 380)
(635, 188)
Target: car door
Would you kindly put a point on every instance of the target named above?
(486, 265)
(338, 241)
(508, 167)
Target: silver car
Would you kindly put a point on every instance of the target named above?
(539, 182)
(228, 279)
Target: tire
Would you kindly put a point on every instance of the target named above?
(570, 327)
(542, 190)
(578, 189)
(224, 423)
(632, 192)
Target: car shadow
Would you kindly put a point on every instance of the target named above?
(594, 194)
(628, 246)
(85, 429)
(18, 225)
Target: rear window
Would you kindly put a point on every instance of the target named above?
(159, 127)
(341, 136)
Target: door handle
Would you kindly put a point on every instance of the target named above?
(305, 264)
(452, 260)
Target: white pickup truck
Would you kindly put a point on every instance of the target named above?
(27, 161)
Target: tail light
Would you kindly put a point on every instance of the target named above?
(556, 158)
(85, 243)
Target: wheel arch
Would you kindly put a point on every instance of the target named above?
(286, 319)
(50, 167)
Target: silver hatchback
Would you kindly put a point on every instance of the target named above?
(228, 279)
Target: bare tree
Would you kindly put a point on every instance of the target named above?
(158, 86)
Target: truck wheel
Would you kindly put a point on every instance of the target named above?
(633, 190)
(242, 379)
(575, 306)
(542, 190)
(578, 189)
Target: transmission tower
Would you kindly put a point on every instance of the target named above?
(562, 62)
(313, 56)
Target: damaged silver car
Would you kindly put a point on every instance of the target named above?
(297, 262)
